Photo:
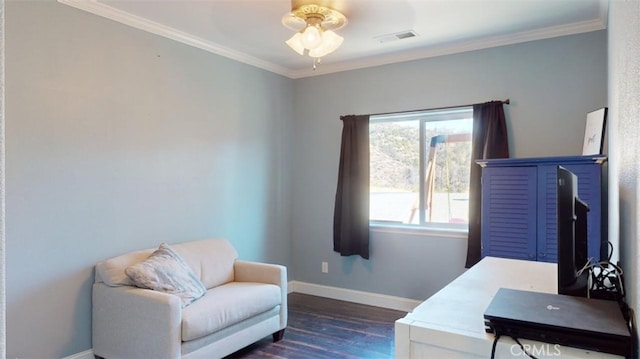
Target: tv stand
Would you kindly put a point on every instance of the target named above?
(450, 324)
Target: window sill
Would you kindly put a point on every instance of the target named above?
(454, 232)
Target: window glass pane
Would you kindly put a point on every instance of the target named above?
(395, 170)
(448, 157)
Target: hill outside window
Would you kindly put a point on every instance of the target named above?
(419, 168)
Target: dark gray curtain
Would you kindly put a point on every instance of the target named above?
(489, 141)
(351, 215)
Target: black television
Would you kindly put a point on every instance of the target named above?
(572, 236)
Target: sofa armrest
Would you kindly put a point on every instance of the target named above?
(246, 271)
(135, 323)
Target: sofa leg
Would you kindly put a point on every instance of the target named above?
(278, 335)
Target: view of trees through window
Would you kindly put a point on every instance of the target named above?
(400, 171)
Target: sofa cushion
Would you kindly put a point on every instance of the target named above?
(165, 271)
(211, 259)
(226, 305)
(111, 271)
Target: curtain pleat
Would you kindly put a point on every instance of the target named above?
(351, 215)
(490, 140)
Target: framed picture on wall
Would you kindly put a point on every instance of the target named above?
(594, 132)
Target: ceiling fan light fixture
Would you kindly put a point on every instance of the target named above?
(312, 37)
(330, 42)
(295, 43)
(314, 24)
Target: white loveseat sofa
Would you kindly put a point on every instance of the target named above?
(244, 302)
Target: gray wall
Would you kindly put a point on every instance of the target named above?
(119, 140)
(552, 85)
(3, 312)
(624, 140)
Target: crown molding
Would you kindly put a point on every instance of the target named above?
(100, 9)
(97, 8)
(604, 12)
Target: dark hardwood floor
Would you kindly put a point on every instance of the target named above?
(321, 328)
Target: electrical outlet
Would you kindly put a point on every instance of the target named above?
(325, 267)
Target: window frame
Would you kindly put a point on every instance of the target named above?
(424, 116)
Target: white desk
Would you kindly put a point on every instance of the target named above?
(450, 324)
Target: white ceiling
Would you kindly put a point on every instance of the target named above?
(250, 31)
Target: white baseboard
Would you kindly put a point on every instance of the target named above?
(290, 286)
(87, 354)
(355, 296)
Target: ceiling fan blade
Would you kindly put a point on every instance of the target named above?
(292, 22)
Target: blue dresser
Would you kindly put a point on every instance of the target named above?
(519, 205)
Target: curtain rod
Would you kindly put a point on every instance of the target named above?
(506, 102)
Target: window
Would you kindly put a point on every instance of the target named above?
(419, 164)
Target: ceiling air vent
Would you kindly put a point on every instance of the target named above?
(395, 37)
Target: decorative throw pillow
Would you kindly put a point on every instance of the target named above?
(165, 271)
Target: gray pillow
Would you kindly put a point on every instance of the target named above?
(165, 271)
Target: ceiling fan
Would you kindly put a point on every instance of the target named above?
(314, 22)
